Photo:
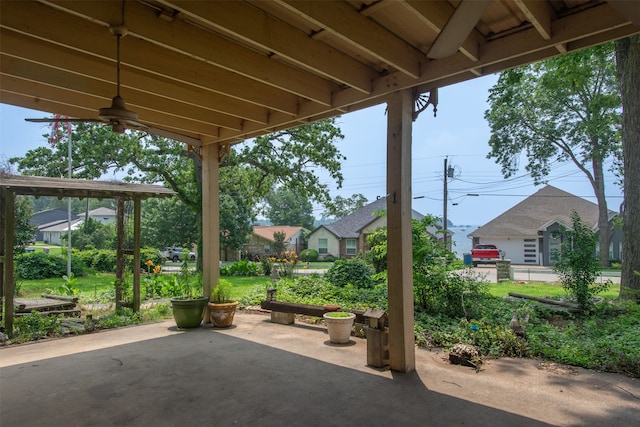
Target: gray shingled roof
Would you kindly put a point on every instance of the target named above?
(350, 226)
(538, 211)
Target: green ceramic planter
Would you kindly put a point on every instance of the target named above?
(188, 312)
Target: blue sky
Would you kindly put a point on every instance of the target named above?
(459, 132)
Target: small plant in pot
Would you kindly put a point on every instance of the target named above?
(221, 307)
(188, 303)
(339, 326)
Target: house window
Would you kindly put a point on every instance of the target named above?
(267, 249)
(351, 246)
(323, 246)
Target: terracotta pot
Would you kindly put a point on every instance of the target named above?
(222, 313)
(339, 327)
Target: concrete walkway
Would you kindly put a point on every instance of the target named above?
(262, 374)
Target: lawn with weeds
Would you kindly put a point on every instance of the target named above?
(607, 338)
(542, 289)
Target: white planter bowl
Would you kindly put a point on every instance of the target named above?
(339, 327)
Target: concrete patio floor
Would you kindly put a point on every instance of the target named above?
(264, 374)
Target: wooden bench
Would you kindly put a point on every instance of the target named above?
(284, 312)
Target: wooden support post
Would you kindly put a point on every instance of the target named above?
(210, 220)
(399, 252)
(119, 250)
(136, 254)
(8, 274)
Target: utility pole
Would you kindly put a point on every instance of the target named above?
(444, 205)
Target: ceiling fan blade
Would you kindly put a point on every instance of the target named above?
(63, 120)
(458, 28)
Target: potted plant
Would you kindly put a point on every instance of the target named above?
(339, 325)
(188, 303)
(221, 307)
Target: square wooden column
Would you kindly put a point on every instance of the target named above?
(137, 208)
(8, 279)
(210, 220)
(399, 248)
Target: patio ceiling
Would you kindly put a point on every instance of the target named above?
(221, 72)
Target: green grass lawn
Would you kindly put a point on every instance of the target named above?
(87, 285)
(541, 289)
(94, 285)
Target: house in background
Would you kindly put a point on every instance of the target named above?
(53, 223)
(261, 242)
(102, 215)
(48, 218)
(52, 233)
(346, 237)
(527, 233)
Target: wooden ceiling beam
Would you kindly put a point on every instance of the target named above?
(540, 15)
(91, 104)
(49, 25)
(191, 41)
(26, 101)
(249, 24)
(344, 22)
(135, 99)
(520, 49)
(30, 50)
(436, 14)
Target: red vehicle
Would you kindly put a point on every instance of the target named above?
(484, 254)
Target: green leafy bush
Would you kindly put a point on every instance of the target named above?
(243, 268)
(34, 326)
(354, 271)
(577, 264)
(316, 290)
(39, 265)
(455, 294)
(309, 255)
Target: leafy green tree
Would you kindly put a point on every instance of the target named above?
(562, 109)
(289, 207)
(94, 235)
(24, 231)
(340, 206)
(628, 63)
(289, 158)
(167, 222)
(278, 242)
(577, 264)
(236, 207)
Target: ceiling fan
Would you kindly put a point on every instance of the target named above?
(117, 115)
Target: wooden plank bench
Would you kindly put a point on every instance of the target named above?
(284, 312)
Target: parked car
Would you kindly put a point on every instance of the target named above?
(174, 253)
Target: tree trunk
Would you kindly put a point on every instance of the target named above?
(628, 63)
(603, 212)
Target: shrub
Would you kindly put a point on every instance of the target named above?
(309, 255)
(453, 294)
(353, 271)
(39, 265)
(578, 266)
(34, 326)
(266, 264)
(241, 268)
(104, 260)
(329, 258)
